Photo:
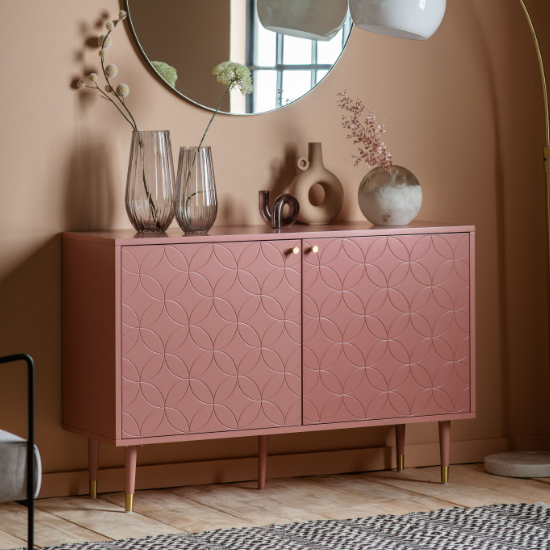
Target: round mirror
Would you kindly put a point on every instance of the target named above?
(288, 45)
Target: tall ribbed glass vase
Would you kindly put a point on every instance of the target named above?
(150, 187)
(196, 201)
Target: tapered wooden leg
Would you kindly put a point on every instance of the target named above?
(445, 447)
(93, 465)
(400, 446)
(131, 461)
(262, 460)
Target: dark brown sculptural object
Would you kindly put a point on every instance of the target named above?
(275, 218)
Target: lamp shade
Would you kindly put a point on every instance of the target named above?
(413, 19)
(312, 19)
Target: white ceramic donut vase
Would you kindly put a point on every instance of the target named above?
(314, 172)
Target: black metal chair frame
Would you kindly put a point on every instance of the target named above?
(30, 441)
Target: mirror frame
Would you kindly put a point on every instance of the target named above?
(140, 48)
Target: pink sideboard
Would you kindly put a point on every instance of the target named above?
(255, 332)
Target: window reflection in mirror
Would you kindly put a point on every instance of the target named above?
(194, 36)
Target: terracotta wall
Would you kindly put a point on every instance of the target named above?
(463, 111)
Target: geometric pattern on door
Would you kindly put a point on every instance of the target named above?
(386, 325)
(211, 337)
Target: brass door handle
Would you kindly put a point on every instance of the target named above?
(314, 249)
(295, 250)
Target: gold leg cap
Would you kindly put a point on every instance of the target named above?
(93, 489)
(400, 463)
(444, 474)
(129, 503)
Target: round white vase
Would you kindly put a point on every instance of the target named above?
(390, 197)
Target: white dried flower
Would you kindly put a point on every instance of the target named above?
(122, 90)
(111, 70)
(108, 89)
(110, 25)
(234, 75)
(117, 24)
(122, 14)
(93, 77)
(81, 84)
(104, 38)
(103, 53)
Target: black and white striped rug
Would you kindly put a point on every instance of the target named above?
(500, 527)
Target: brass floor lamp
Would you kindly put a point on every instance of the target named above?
(418, 20)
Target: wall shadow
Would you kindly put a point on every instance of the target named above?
(282, 172)
(485, 58)
(30, 299)
(88, 185)
(89, 195)
(515, 289)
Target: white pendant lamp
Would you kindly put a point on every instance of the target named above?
(318, 20)
(412, 19)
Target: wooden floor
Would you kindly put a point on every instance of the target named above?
(201, 508)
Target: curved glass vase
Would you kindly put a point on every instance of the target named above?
(150, 187)
(196, 201)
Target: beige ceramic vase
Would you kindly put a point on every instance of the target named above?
(313, 171)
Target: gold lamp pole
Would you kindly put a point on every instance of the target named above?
(531, 464)
(547, 120)
(419, 22)
(528, 464)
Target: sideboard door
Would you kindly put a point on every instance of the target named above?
(386, 327)
(211, 337)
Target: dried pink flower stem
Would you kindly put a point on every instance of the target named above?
(367, 134)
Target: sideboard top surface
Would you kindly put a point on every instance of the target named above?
(128, 237)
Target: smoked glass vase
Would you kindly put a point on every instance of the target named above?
(150, 187)
(196, 200)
